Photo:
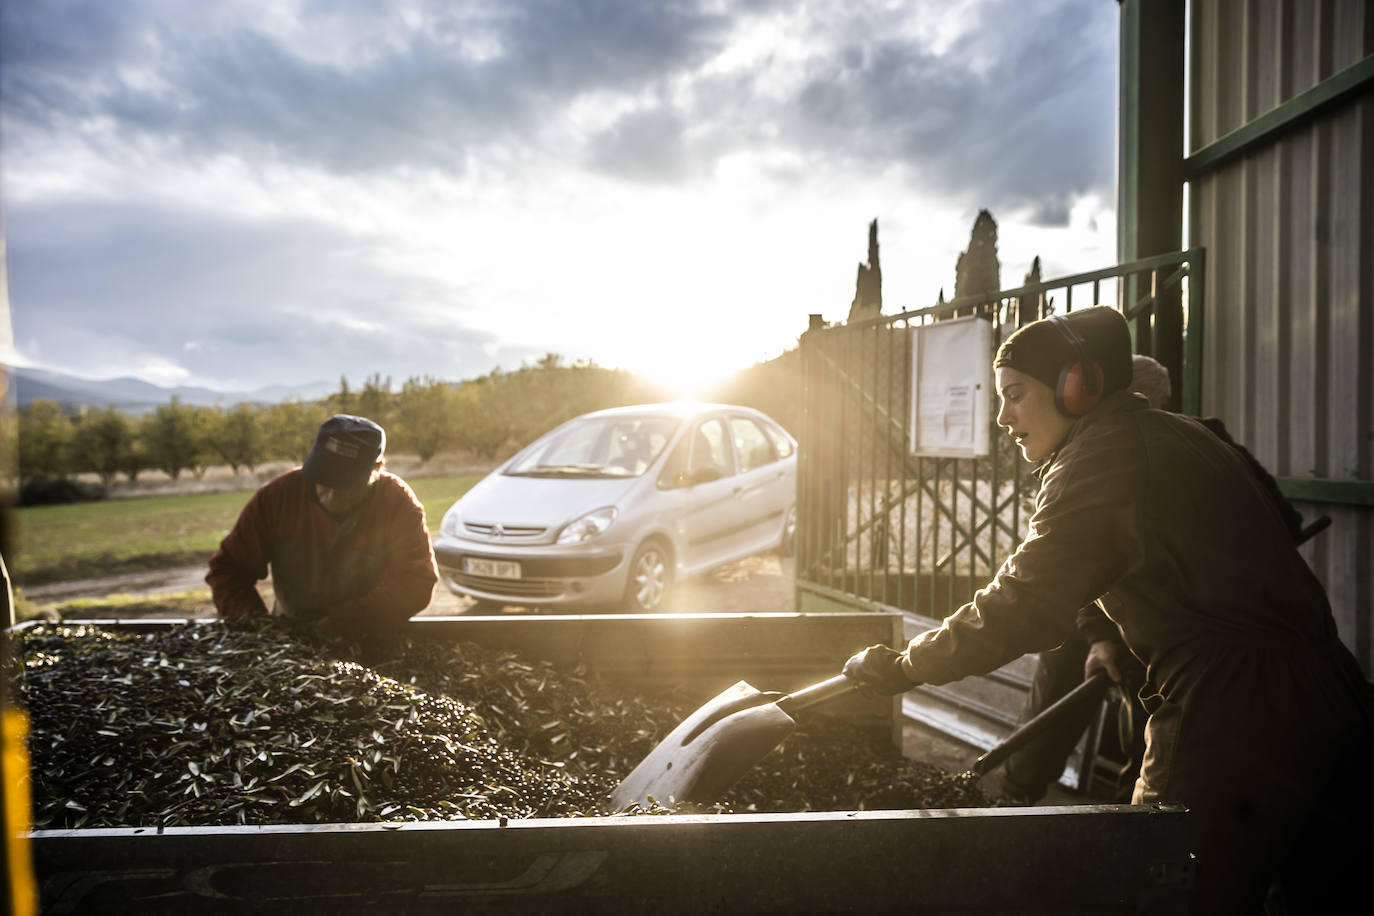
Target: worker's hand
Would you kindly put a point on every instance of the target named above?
(1102, 657)
(878, 669)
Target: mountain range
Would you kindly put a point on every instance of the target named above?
(137, 396)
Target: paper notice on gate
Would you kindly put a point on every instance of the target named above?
(932, 407)
(959, 412)
(946, 416)
(951, 385)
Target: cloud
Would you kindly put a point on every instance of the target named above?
(1050, 211)
(987, 98)
(644, 145)
(286, 191)
(235, 302)
(1006, 112)
(343, 87)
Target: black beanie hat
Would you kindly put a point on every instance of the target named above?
(1041, 350)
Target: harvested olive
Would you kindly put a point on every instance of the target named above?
(207, 724)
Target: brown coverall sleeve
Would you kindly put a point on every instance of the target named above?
(406, 584)
(1079, 544)
(1095, 626)
(240, 563)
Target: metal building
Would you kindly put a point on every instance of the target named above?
(1279, 177)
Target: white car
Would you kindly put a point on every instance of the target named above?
(609, 509)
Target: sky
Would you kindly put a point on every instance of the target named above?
(239, 194)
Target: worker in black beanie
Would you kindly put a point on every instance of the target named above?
(1097, 335)
(1260, 717)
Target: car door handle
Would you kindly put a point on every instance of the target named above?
(738, 489)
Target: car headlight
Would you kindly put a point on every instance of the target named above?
(452, 524)
(587, 527)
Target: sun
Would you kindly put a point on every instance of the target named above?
(683, 374)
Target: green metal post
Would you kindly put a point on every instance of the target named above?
(1150, 160)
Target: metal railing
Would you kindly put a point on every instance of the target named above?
(882, 527)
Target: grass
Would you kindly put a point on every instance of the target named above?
(438, 493)
(90, 540)
(195, 603)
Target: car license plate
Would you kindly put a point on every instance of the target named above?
(494, 569)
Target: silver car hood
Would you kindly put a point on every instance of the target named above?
(543, 502)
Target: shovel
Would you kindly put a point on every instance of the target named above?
(716, 745)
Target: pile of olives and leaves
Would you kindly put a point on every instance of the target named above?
(827, 764)
(208, 724)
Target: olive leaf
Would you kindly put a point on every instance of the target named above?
(438, 731)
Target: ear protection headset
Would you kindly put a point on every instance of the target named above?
(1080, 383)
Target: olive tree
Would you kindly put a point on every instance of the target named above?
(136, 459)
(45, 439)
(208, 426)
(241, 437)
(425, 420)
(375, 399)
(483, 417)
(290, 428)
(341, 401)
(174, 437)
(102, 442)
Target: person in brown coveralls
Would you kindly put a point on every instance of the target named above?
(346, 541)
(1029, 771)
(1261, 720)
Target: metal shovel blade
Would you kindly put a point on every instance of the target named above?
(708, 753)
(720, 742)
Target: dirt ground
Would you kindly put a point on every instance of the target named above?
(757, 584)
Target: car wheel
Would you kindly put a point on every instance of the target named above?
(788, 542)
(651, 575)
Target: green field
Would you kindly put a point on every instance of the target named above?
(87, 540)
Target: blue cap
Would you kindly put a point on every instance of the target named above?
(345, 452)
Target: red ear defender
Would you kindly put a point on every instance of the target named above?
(1079, 389)
(1080, 382)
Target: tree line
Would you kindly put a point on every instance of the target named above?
(484, 418)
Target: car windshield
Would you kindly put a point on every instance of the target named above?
(622, 446)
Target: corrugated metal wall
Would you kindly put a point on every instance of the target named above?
(1289, 229)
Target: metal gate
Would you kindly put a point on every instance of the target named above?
(882, 528)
